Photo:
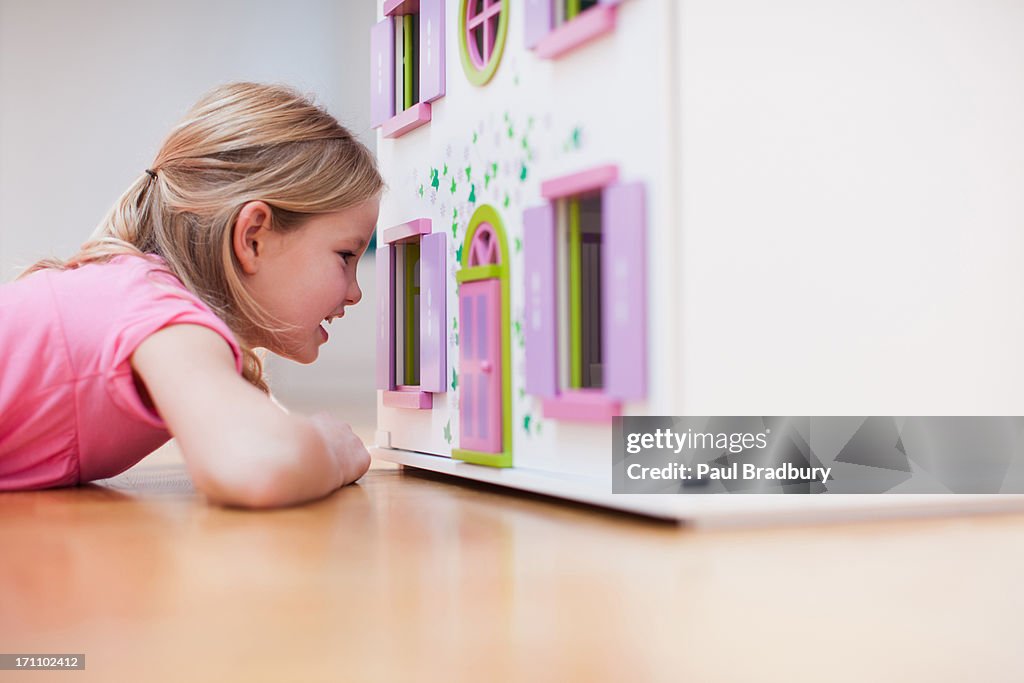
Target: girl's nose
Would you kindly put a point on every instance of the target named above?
(355, 294)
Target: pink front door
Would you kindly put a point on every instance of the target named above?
(480, 414)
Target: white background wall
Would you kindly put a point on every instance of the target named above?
(89, 90)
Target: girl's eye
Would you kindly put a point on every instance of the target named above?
(346, 255)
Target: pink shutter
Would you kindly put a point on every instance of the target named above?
(539, 20)
(433, 323)
(539, 282)
(624, 274)
(480, 416)
(382, 72)
(385, 318)
(431, 50)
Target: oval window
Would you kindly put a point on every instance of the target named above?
(483, 25)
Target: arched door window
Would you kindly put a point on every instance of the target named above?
(484, 249)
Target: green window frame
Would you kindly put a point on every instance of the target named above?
(475, 20)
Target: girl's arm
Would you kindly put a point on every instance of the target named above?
(240, 448)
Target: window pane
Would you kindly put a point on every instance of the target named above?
(407, 313)
(581, 348)
(478, 37)
(591, 356)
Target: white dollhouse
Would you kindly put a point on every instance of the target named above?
(560, 244)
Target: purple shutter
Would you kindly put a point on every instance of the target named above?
(431, 50)
(539, 20)
(624, 275)
(385, 318)
(539, 281)
(433, 324)
(382, 72)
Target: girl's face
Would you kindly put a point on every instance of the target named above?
(306, 277)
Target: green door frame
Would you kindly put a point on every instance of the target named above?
(486, 213)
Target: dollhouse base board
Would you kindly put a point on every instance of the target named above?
(708, 511)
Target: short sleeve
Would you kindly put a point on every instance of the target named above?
(159, 300)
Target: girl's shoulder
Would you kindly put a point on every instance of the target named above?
(105, 304)
(127, 297)
(89, 319)
(133, 265)
(104, 285)
(120, 280)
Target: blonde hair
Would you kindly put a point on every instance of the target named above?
(241, 142)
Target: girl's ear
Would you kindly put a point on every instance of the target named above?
(250, 235)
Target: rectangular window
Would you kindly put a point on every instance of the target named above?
(579, 248)
(407, 75)
(407, 312)
(570, 9)
(556, 27)
(585, 286)
(407, 62)
(411, 328)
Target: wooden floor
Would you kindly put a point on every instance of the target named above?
(410, 577)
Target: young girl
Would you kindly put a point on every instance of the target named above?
(245, 232)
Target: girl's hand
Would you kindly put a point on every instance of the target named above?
(348, 450)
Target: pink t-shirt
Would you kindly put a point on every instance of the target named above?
(69, 409)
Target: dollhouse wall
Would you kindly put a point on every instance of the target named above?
(850, 208)
(608, 102)
(833, 203)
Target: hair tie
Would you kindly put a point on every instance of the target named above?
(152, 173)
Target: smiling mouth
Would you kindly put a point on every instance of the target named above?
(328, 320)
